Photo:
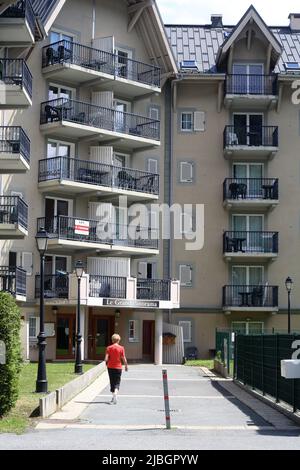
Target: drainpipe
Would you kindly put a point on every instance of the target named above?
(93, 20)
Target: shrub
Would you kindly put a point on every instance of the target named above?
(10, 324)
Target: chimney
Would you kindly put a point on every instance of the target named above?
(294, 21)
(216, 21)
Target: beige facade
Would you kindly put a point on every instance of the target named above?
(217, 127)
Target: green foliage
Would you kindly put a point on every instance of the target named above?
(219, 357)
(10, 324)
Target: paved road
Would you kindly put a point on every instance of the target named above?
(206, 414)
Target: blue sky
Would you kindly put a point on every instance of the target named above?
(199, 11)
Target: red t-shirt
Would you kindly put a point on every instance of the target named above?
(115, 353)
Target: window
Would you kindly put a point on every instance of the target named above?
(133, 333)
(247, 328)
(186, 122)
(185, 275)
(186, 170)
(57, 148)
(56, 36)
(154, 113)
(187, 330)
(33, 328)
(146, 270)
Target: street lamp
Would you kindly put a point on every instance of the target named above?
(289, 286)
(42, 238)
(79, 270)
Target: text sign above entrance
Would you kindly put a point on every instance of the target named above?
(131, 303)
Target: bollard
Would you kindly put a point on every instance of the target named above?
(166, 398)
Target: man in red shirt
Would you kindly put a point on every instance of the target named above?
(115, 358)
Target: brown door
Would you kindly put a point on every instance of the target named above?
(100, 332)
(148, 340)
(65, 336)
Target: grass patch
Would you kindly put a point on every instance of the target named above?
(209, 364)
(22, 415)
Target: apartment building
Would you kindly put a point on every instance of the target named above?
(99, 100)
(95, 117)
(235, 149)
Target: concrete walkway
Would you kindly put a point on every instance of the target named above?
(207, 413)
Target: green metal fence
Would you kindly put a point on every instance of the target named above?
(257, 364)
(225, 348)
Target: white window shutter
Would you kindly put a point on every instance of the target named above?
(199, 121)
(106, 44)
(103, 98)
(101, 155)
(185, 275)
(27, 262)
(187, 330)
(142, 270)
(152, 166)
(154, 113)
(186, 172)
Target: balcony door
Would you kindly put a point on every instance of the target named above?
(253, 173)
(55, 208)
(123, 63)
(247, 275)
(121, 107)
(60, 153)
(56, 268)
(248, 79)
(248, 128)
(249, 224)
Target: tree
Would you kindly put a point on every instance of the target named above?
(10, 325)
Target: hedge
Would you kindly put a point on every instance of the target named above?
(10, 324)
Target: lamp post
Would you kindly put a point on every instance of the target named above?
(289, 287)
(79, 270)
(42, 238)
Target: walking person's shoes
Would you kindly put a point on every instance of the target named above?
(113, 400)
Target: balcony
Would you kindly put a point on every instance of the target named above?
(13, 280)
(247, 142)
(74, 119)
(251, 91)
(251, 193)
(14, 150)
(13, 218)
(15, 84)
(110, 291)
(70, 233)
(254, 246)
(17, 25)
(250, 298)
(75, 63)
(70, 176)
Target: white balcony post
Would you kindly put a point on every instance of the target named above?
(158, 337)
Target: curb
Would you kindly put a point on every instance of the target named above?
(267, 401)
(56, 400)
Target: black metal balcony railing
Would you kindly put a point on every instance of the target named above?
(251, 188)
(100, 174)
(99, 117)
(251, 136)
(21, 9)
(108, 287)
(13, 280)
(16, 72)
(67, 52)
(14, 140)
(153, 289)
(250, 296)
(250, 242)
(56, 286)
(71, 228)
(239, 84)
(13, 210)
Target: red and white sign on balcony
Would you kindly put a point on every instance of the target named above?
(82, 227)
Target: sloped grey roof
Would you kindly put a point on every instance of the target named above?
(201, 43)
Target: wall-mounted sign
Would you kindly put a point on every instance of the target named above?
(131, 303)
(82, 227)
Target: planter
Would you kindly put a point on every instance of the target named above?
(221, 369)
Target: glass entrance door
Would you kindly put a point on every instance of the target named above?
(100, 336)
(65, 336)
(253, 172)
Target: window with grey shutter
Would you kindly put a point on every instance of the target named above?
(186, 172)
(187, 330)
(152, 166)
(199, 121)
(185, 275)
